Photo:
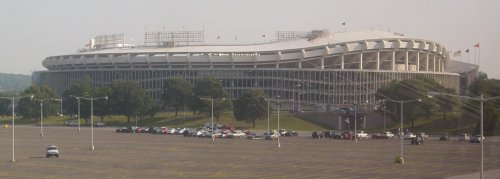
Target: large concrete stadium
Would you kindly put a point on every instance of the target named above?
(318, 70)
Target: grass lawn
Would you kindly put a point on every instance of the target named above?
(187, 119)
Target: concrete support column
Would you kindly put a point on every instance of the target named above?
(167, 55)
(378, 60)
(418, 60)
(361, 61)
(254, 63)
(439, 64)
(394, 60)
(210, 60)
(189, 60)
(232, 60)
(129, 59)
(279, 59)
(434, 63)
(322, 65)
(427, 63)
(342, 61)
(406, 61)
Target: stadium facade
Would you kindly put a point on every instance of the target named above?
(318, 70)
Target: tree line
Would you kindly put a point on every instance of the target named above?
(129, 99)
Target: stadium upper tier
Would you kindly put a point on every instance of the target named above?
(363, 50)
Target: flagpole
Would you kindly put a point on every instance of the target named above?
(475, 55)
(479, 57)
(468, 57)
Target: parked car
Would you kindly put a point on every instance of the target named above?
(122, 130)
(99, 124)
(424, 135)
(328, 134)
(444, 137)
(139, 130)
(291, 133)
(347, 135)
(476, 139)
(52, 150)
(362, 135)
(408, 136)
(317, 135)
(71, 123)
(238, 134)
(383, 135)
(417, 140)
(272, 135)
(464, 137)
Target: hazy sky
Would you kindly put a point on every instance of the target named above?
(32, 30)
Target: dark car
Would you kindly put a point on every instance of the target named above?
(122, 130)
(347, 135)
(317, 135)
(444, 137)
(417, 140)
(291, 133)
(328, 134)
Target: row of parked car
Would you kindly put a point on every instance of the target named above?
(463, 137)
(75, 123)
(220, 131)
(349, 135)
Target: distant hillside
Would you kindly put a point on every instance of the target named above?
(14, 82)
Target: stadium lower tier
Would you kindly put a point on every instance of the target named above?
(312, 89)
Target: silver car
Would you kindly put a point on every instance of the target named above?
(52, 150)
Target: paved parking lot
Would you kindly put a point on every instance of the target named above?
(119, 155)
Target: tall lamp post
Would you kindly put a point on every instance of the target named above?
(212, 101)
(481, 99)
(401, 103)
(91, 116)
(268, 131)
(61, 104)
(355, 122)
(13, 116)
(278, 105)
(41, 114)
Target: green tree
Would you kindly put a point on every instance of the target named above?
(251, 106)
(5, 104)
(30, 108)
(487, 88)
(411, 89)
(127, 98)
(101, 107)
(81, 89)
(176, 93)
(210, 88)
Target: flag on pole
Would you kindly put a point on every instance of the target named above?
(457, 53)
(477, 45)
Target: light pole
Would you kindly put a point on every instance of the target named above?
(41, 115)
(13, 116)
(268, 131)
(481, 99)
(383, 108)
(91, 116)
(61, 104)
(298, 95)
(78, 101)
(355, 122)
(401, 103)
(279, 106)
(212, 100)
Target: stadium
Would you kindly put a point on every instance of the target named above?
(315, 70)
